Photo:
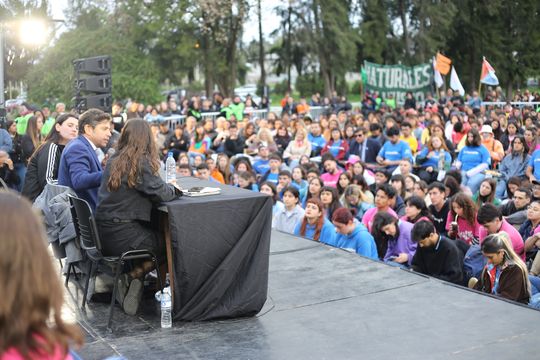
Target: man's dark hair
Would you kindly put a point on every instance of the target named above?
(488, 212)
(394, 130)
(275, 157)
(456, 174)
(202, 166)
(406, 124)
(313, 170)
(526, 191)
(388, 190)
(185, 166)
(375, 127)
(437, 185)
(422, 229)
(285, 173)
(384, 172)
(92, 117)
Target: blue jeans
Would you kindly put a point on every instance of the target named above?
(501, 189)
(535, 284)
(20, 169)
(472, 182)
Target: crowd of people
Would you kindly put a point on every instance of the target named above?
(448, 188)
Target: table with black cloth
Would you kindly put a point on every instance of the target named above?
(218, 252)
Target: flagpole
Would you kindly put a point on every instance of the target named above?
(480, 81)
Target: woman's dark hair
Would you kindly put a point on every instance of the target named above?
(514, 180)
(380, 220)
(401, 179)
(293, 190)
(360, 181)
(452, 185)
(308, 194)
(469, 207)
(335, 204)
(341, 189)
(54, 135)
(458, 127)
(480, 200)
(420, 204)
(320, 220)
(199, 137)
(272, 186)
(523, 143)
(456, 174)
(476, 141)
(243, 160)
(135, 149)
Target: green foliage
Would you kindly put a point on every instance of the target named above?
(308, 84)
(280, 88)
(134, 75)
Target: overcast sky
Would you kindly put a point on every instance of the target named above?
(251, 27)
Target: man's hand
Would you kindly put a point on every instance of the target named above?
(9, 163)
(402, 258)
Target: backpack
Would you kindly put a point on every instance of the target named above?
(473, 263)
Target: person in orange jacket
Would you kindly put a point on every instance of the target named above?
(494, 146)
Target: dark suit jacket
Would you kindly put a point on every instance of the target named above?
(80, 170)
(372, 150)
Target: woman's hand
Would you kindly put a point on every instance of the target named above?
(402, 258)
(429, 169)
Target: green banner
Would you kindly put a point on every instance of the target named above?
(397, 80)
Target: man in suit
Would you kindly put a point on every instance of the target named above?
(80, 164)
(365, 148)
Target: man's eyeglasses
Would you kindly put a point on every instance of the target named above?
(359, 135)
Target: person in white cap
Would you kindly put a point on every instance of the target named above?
(494, 146)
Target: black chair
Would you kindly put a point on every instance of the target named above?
(86, 229)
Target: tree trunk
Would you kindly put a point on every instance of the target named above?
(403, 16)
(261, 46)
(509, 89)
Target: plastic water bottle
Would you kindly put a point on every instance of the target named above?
(166, 307)
(170, 168)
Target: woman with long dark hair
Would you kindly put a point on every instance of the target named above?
(461, 222)
(486, 193)
(32, 294)
(44, 163)
(130, 187)
(330, 199)
(315, 225)
(416, 210)
(393, 239)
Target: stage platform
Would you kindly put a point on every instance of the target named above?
(325, 303)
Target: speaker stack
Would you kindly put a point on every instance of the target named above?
(93, 83)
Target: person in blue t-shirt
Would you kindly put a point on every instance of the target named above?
(262, 162)
(315, 225)
(272, 174)
(352, 235)
(533, 169)
(394, 150)
(473, 160)
(316, 139)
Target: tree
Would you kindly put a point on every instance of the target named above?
(134, 75)
(262, 54)
(374, 31)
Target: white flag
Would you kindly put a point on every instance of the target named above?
(455, 84)
(437, 75)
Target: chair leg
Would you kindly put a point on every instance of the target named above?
(119, 267)
(89, 274)
(61, 265)
(68, 274)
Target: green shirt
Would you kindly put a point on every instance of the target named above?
(47, 127)
(238, 110)
(22, 123)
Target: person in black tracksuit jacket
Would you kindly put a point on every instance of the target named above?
(44, 163)
(436, 255)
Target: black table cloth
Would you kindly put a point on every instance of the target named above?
(220, 249)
